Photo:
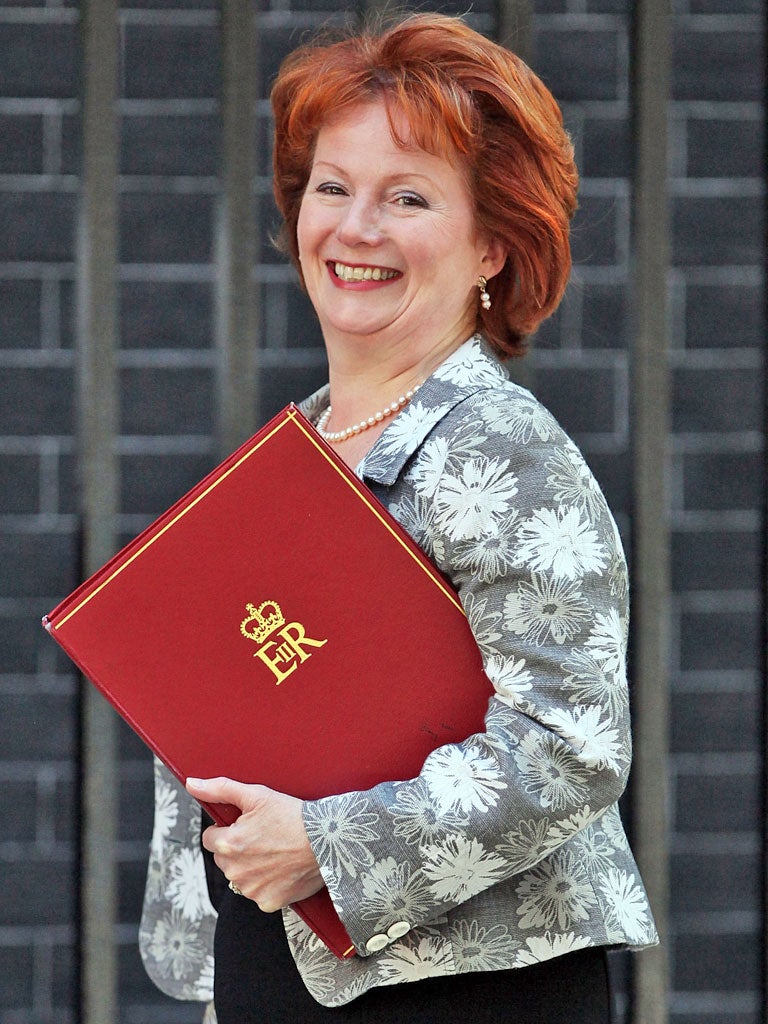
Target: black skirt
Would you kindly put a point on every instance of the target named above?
(257, 983)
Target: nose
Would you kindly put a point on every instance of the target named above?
(359, 223)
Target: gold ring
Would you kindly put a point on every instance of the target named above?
(234, 889)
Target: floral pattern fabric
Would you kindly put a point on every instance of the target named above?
(507, 849)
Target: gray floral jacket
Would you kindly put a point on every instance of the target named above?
(507, 849)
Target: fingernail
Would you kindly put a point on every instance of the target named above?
(197, 783)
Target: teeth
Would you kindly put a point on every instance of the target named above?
(347, 273)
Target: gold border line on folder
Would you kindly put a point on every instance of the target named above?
(179, 515)
(435, 579)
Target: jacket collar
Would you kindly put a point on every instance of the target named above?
(471, 368)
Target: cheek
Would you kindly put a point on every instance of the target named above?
(306, 228)
(301, 233)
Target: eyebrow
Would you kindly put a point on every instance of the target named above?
(390, 177)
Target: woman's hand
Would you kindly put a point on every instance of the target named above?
(265, 853)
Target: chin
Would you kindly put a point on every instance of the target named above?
(355, 327)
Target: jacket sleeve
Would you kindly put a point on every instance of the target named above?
(504, 504)
(177, 920)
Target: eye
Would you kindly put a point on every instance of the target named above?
(411, 199)
(331, 188)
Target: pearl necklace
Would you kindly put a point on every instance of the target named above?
(358, 428)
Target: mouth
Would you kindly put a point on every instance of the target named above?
(351, 272)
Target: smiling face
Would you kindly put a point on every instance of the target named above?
(387, 240)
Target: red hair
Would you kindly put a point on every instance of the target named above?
(464, 98)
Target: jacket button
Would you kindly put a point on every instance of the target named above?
(397, 930)
(377, 942)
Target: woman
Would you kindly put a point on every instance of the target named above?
(427, 185)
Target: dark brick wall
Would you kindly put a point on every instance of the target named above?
(718, 489)
(170, 78)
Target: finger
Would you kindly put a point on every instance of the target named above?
(212, 837)
(218, 791)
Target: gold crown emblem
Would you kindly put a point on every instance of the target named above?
(261, 621)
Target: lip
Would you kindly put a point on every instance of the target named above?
(364, 285)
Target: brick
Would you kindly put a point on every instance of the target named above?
(725, 6)
(318, 6)
(606, 148)
(605, 313)
(19, 314)
(719, 640)
(726, 560)
(67, 314)
(173, 145)
(43, 892)
(723, 480)
(709, 231)
(64, 987)
(136, 807)
(724, 148)
(39, 60)
(457, 8)
(164, 61)
(33, 564)
(275, 42)
(551, 6)
(583, 400)
(723, 316)
(69, 485)
(714, 723)
(607, 6)
(717, 400)
(17, 807)
(38, 726)
(166, 314)
(610, 469)
(699, 60)
(550, 333)
(711, 1016)
(20, 639)
(62, 665)
(726, 881)
(280, 385)
(721, 963)
(71, 144)
(35, 400)
(262, 141)
(22, 149)
(270, 222)
(594, 232)
(173, 1012)
(16, 977)
(37, 226)
(166, 401)
(577, 64)
(163, 5)
(151, 483)
(66, 823)
(302, 326)
(19, 484)
(130, 747)
(165, 228)
(718, 803)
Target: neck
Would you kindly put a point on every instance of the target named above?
(365, 378)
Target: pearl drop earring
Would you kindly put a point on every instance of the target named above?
(485, 298)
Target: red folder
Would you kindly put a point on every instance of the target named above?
(277, 626)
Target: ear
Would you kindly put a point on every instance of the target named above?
(494, 259)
